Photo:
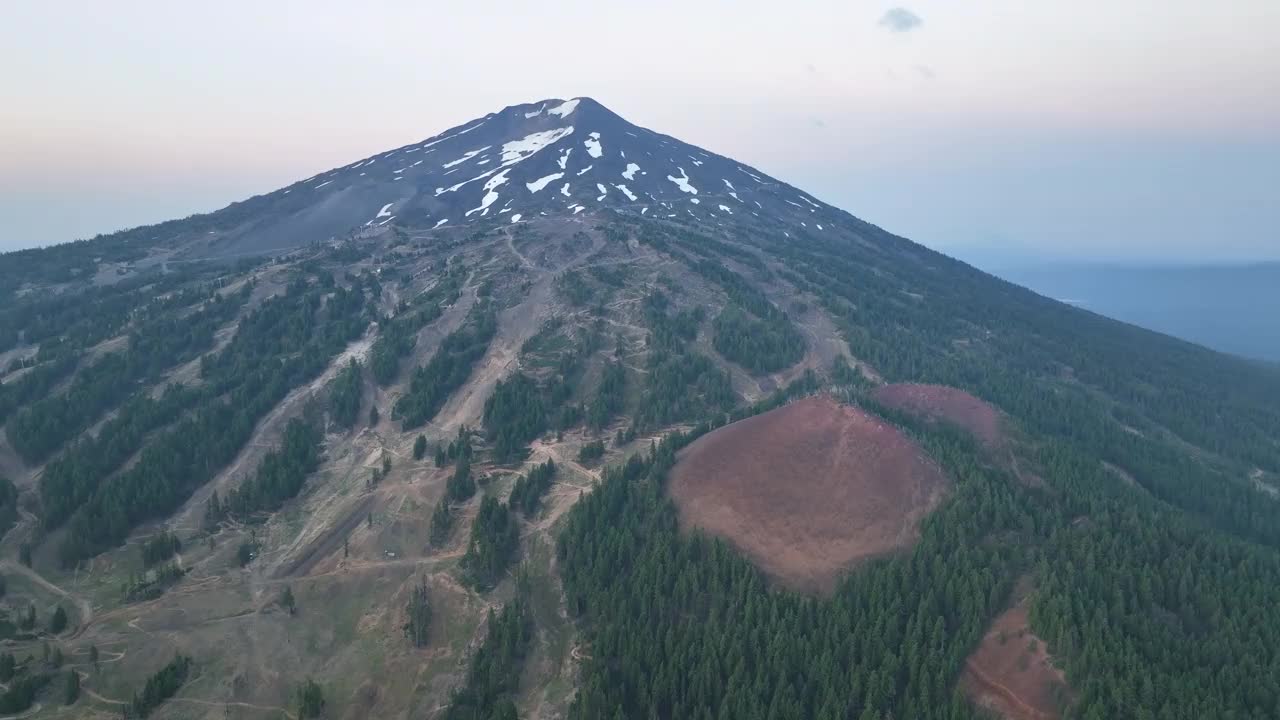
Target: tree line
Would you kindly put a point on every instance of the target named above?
(431, 384)
(287, 341)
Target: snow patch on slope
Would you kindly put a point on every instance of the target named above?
(454, 188)
(563, 109)
(542, 182)
(465, 157)
(593, 145)
(491, 194)
(683, 182)
(517, 150)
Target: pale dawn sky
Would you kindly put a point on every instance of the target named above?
(1142, 130)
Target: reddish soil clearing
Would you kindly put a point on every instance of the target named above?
(948, 404)
(1011, 672)
(807, 490)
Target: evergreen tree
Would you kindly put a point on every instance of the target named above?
(418, 624)
(58, 621)
(441, 523)
(310, 700)
(460, 486)
(71, 688)
(494, 538)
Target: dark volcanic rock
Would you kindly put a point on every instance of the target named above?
(553, 157)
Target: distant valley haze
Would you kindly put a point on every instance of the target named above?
(1232, 308)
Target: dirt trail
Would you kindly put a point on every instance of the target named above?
(1019, 709)
(538, 447)
(523, 260)
(93, 694)
(193, 701)
(83, 606)
(230, 704)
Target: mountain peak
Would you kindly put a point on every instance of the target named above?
(555, 107)
(565, 157)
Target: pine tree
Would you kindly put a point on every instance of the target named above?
(71, 688)
(419, 615)
(441, 523)
(58, 622)
(310, 700)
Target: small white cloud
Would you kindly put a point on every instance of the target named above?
(900, 20)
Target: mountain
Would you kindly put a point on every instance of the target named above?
(550, 415)
(549, 157)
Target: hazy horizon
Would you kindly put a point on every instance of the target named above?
(1146, 133)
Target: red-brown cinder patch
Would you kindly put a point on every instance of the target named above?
(807, 490)
(941, 402)
(1011, 672)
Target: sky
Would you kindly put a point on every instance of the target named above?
(1141, 131)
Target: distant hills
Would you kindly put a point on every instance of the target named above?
(1231, 308)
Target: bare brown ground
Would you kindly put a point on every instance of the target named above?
(1011, 672)
(807, 490)
(952, 405)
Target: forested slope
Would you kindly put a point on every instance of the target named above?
(420, 468)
